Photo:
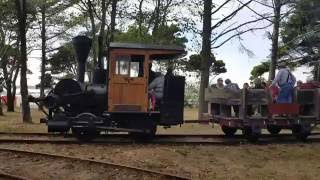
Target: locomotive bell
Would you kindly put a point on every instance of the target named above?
(82, 46)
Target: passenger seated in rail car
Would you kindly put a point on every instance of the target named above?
(155, 88)
(219, 85)
(286, 81)
(233, 87)
(250, 109)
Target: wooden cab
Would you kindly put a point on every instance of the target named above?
(129, 73)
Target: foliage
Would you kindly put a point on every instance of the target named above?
(166, 35)
(191, 94)
(134, 34)
(48, 81)
(301, 34)
(259, 70)
(63, 61)
(193, 64)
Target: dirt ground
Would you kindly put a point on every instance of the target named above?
(40, 168)
(294, 161)
(273, 161)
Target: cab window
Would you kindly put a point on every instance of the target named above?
(131, 66)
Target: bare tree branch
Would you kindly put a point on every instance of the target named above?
(247, 6)
(266, 5)
(221, 6)
(231, 15)
(239, 26)
(238, 34)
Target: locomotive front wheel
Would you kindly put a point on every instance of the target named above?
(301, 132)
(274, 130)
(228, 131)
(84, 135)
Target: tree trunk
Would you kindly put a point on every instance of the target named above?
(156, 20)
(275, 37)
(205, 56)
(10, 98)
(112, 25)
(43, 49)
(94, 31)
(113, 19)
(102, 36)
(14, 88)
(1, 110)
(21, 11)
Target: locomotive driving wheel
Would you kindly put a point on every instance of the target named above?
(84, 129)
(83, 135)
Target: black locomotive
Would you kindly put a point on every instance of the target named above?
(117, 98)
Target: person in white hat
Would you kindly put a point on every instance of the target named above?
(286, 81)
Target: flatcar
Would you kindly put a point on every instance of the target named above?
(257, 111)
(117, 98)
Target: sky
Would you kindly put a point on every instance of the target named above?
(238, 64)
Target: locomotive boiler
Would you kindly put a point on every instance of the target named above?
(117, 99)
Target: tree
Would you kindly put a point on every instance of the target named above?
(22, 15)
(98, 11)
(9, 63)
(223, 29)
(64, 61)
(1, 110)
(275, 38)
(259, 70)
(10, 68)
(193, 64)
(301, 35)
(206, 58)
(52, 13)
(275, 18)
(48, 82)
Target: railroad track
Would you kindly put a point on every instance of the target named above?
(37, 138)
(162, 175)
(8, 176)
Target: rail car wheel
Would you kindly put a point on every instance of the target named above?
(301, 132)
(274, 129)
(251, 133)
(228, 131)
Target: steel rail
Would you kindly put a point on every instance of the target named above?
(6, 175)
(110, 164)
(165, 139)
(157, 135)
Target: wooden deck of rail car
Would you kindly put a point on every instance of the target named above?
(299, 116)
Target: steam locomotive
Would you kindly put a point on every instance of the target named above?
(117, 98)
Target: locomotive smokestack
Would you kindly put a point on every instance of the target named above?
(82, 46)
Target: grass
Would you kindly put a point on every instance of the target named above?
(12, 122)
